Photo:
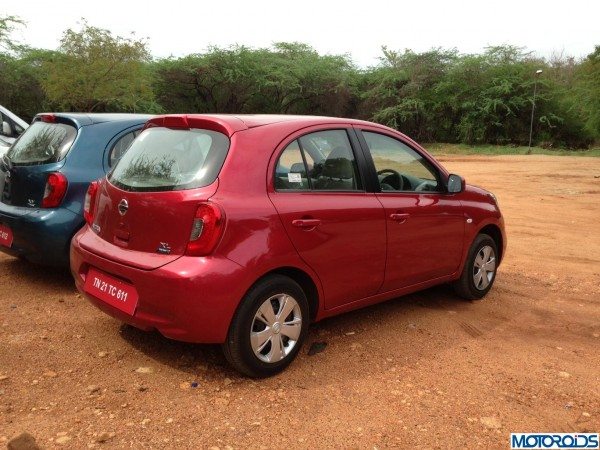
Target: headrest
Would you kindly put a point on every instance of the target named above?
(338, 164)
(298, 168)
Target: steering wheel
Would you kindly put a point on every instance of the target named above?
(395, 174)
(421, 186)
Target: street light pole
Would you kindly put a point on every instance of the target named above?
(537, 73)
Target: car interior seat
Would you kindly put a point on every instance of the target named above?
(338, 171)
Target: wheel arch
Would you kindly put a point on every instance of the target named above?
(304, 280)
(494, 232)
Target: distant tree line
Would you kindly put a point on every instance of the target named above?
(439, 95)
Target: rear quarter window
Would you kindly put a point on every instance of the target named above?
(121, 146)
(165, 159)
(42, 143)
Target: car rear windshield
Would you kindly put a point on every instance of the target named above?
(42, 143)
(164, 159)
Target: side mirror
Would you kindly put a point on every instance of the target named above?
(6, 129)
(455, 184)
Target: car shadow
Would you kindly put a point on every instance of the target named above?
(199, 360)
(440, 297)
(54, 278)
(208, 362)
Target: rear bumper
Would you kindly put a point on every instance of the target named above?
(190, 299)
(40, 235)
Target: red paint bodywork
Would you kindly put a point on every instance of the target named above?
(359, 254)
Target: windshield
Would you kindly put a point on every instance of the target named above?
(42, 143)
(163, 159)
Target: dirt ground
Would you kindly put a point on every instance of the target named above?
(427, 370)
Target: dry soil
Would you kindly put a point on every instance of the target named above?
(428, 370)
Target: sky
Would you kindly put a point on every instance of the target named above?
(182, 27)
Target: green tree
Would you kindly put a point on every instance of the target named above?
(587, 92)
(21, 78)
(291, 78)
(437, 95)
(496, 95)
(400, 92)
(7, 25)
(443, 96)
(221, 80)
(20, 72)
(300, 81)
(96, 71)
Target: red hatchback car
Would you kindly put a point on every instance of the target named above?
(241, 230)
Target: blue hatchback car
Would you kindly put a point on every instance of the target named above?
(45, 175)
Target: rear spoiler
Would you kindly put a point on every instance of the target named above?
(59, 118)
(227, 125)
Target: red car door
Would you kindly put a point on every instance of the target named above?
(337, 228)
(425, 224)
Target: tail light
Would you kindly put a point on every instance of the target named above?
(90, 202)
(207, 229)
(56, 188)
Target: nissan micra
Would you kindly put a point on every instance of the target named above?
(241, 230)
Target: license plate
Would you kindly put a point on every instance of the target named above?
(115, 292)
(6, 236)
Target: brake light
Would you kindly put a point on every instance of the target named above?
(90, 202)
(48, 118)
(176, 121)
(207, 229)
(56, 188)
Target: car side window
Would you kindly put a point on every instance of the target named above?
(320, 161)
(399, 167)
(330, 160)
(121, 147)
(291, 173)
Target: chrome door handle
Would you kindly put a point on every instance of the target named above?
(306, 223)
(399, 217)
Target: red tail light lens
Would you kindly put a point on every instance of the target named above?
(56, 188)
(207, 229)
(90, 202)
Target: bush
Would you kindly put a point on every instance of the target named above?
(438, 95)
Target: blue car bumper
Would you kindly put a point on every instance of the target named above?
(41, 236)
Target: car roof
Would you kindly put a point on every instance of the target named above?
(258, 120)
(83, 119)
(231, 123)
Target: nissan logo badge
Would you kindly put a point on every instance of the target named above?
(123, 207)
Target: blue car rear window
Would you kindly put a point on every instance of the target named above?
(42, 143)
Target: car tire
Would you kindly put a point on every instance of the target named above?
(479, 272)
(269, 327)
